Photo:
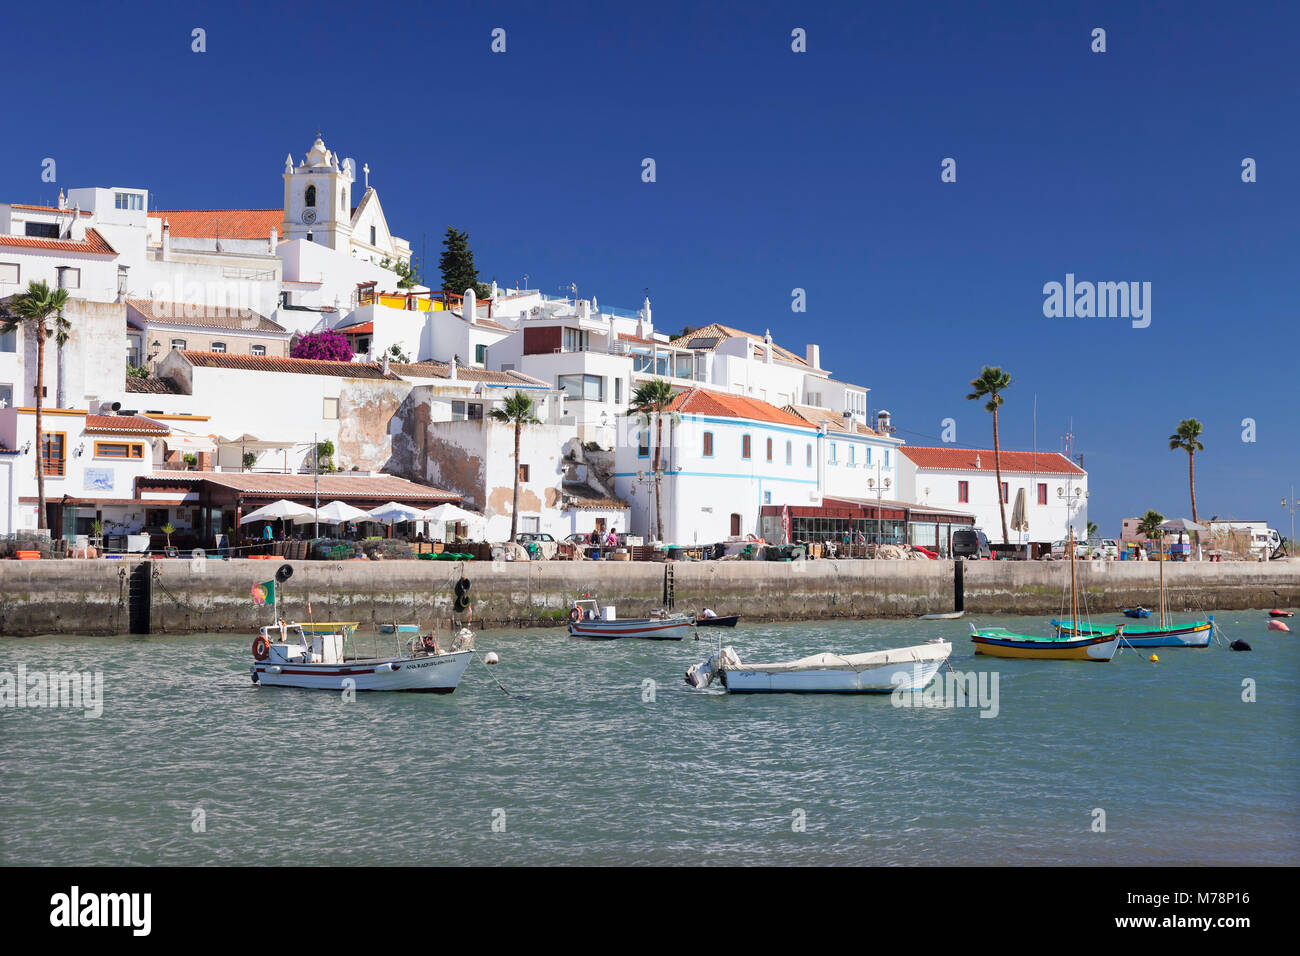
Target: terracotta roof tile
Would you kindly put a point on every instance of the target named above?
(152, 386)
(94, 244)
(201, 316)
(125, 424)
(981, 460)
(700, 401)
(19, 205)
(380, 488)
(835, 423)
(466, 373)
(721, 333)
(221, 223)
(292, 366)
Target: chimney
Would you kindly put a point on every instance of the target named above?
(767, 350)
(275, 233)
(452, 374)
(384, 364)
(166, 240)
(649, 321)
(814, 355)
(77, 231)
(469, 307)
(584, 309)
(63, 200)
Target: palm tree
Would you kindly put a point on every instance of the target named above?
(991, 382)
(1092, 529)
(517, 410)
(1149, 526)
(1189, 430)
(652, 398)
(33, 309)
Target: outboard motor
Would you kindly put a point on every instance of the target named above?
(703, 674)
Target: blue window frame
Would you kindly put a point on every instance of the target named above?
(834, 460)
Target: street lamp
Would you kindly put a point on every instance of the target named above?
(1291, 506)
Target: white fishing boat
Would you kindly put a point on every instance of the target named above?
(313, 656)
(875, 672)
(589, 619)
(942, 616)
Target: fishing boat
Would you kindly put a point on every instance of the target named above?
(1138, 612)
(399, 629)
(943, 616)
(589, 619)
(1000, 642)
(314, 655)
(875, 672)
(1276, 613)
(729, 621)
(1165, 633)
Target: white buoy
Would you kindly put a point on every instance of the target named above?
(490, 657)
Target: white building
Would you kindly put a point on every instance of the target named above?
(964, 480)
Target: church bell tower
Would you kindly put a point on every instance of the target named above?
(317, 196)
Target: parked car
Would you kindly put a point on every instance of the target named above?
(545, 542)
(1100, 547)
(971, 544)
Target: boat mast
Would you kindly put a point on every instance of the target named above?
(1074, 592)
(1161, 542)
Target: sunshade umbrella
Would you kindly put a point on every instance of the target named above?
(1182, 526)
(278, 510)
(450, 512)
(394, 512)
(1019, 521)
(336, 512)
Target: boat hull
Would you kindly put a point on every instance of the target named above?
(1192, 634)
(1024, 647)
(431, 674)
(876, 680)
(728, 621)
(671, 629)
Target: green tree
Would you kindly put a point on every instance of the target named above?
(1189, 430)
(1092, 529)
(518, 411)
(325, 456)
(408, 274)
(991, 383)
(650, 401)
(457, 265)
(33, 310)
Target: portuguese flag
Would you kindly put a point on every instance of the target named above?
(264, 593)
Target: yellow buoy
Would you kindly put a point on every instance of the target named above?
(1154, 659)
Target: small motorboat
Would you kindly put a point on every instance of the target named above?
(1137, 612)
(1276, 613)
(1278, 626)
(944, 616)
(875, 672)
(729, 621)
(589, 619)
(399, 629)
(313, 656)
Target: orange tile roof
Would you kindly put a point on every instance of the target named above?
(303, 486)
(466, 373)
(125, 424)
(965, 459)
(94, 244)
(833, 422)
(19, 205)
(722, 332)
(701, 401)
(268, 363)
(201, 316)
(221, 223)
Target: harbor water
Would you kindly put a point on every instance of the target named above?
(601, 754)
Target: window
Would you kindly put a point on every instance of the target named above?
(330, 408)
(767, 497)
(69, 278)
(530, 525)
(590, 388)
(746, 451)
(853, 456)
(575, 340)
(808, 455)
(372, 235)
(789, 453)
(1006, 493)
(257, 350)
(868, 455)
(9, 272)
(218, 347)
(480, 354)
(618, 391)
(1042, 493)
(6, 395)
(310, 236)
(886, 457)
(53, 453)
(474, 411)
(310, 197)
(9, 341)
(128, 201)
(457, 411)
(834, 460)
(963, 491)
(523, 473)
(178, 344)
(155, 518)
(643, 443)
(708, 445)
(769, 449)
(119, 449)
(42, 230)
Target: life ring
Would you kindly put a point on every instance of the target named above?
(575, 615)
(261, 647)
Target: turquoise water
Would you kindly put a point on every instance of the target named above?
(580, 769)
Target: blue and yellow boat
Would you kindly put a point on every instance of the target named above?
(999, 642)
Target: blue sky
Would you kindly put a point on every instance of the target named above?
(776, 171)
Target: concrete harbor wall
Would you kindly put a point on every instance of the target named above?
(184, 596)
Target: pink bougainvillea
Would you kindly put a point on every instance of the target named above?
(329, 346)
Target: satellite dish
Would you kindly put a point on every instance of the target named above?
(283, 573)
